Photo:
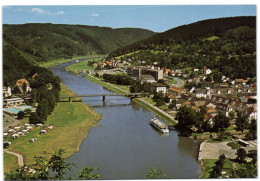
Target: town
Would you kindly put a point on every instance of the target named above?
(90, 102)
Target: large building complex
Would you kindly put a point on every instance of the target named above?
(138, 71)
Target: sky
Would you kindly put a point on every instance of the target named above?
(157, 18)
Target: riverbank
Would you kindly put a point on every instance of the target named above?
(71, 121)
(121, 89)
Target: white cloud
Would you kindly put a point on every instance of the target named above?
(44, 12)
(39, 11)
(95, 15)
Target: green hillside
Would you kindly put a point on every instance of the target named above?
(225, 45)
(43, 42)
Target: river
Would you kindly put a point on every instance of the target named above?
(125, 146)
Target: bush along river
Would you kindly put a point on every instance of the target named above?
(125, 146)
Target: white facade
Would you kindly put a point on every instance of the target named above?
(7, 91)
(161, 89)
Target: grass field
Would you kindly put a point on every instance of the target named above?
(10, 162)
(173, 81)
(71, 121)
(60, 61)
(208, 165)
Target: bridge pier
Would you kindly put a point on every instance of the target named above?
(104, 99)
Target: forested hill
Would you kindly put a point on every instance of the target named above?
(227, 45)
(42, 42)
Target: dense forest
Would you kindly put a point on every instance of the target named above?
(226, 45)
(43, 42)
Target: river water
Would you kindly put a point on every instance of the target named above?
(125, 146)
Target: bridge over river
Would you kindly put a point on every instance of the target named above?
(104, 95)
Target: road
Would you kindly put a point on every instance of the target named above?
(180, 82)
(20, 157)
(12, 122)
(158, 109)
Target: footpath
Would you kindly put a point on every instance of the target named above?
(19, 156)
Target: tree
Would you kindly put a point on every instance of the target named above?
(186, 118)
(252, 134)
(244, 170)
(232, 114)
(242, 122)
(220, 122)
(43, 110)
(27, 112)
(16, 90)
(49, 169)
(20, 115)
(241, 155)
(34, 119)
(58, 163)
(87, 174)
(159, 102)
(154, 173)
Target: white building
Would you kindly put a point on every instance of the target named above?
(159, 87)
(7, 92)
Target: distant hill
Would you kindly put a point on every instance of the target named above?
(42, 42)
(226, 45)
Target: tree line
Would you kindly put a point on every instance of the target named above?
(43, 42)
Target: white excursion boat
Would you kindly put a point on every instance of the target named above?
(157, 124)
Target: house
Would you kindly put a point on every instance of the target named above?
(23, 85)
(199, 93)
(158, 87)
(101, 64)
(176, 90)
(170, 96)
(137, 71)
(13, 101)
(7, 92)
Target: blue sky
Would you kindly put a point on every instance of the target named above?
(157, 18)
